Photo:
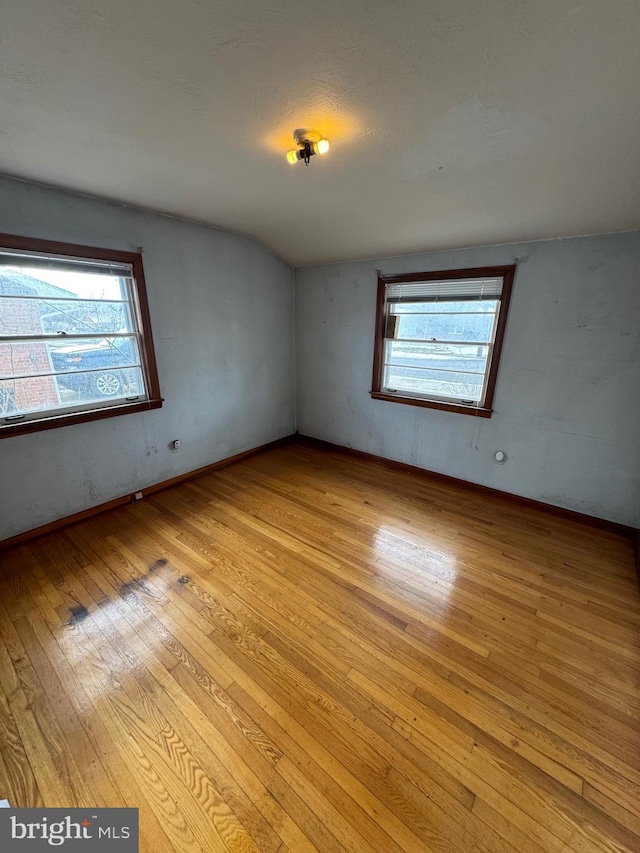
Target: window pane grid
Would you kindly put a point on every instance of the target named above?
(67, 408)
(471, 328)
(439, 337)
(24, 398)
(435, 351)
(437, 398)
(63, 298)
(59, 339)
(53, 374)
(467, 392)
(436, 369)
(434, 363)
(452, 341)
(70, 337)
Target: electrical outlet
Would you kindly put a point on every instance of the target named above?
(176, 444)
(137, 496)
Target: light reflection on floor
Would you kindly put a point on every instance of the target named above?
(419, 555)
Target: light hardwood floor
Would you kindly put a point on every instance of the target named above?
(307, 651)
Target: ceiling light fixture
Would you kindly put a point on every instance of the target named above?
(309, 142)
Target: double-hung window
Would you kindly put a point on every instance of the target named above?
(75, 340)
(439, 337)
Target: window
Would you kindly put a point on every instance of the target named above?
(75, 340)
(438, 338)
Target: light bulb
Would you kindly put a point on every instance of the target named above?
(293, 156)
(321, 147)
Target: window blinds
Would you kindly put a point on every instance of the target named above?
(448, 290)
(35, 260)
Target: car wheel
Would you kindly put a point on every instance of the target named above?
(108, 384)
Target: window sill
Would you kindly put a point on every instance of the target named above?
(474, 411)
(78, 418)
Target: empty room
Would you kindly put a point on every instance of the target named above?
(320, 426)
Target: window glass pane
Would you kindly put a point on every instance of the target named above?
(24, 396)
(472, 306)
(452, 357)
(81, 355)
(78, 388)
(430, 383)
(24, 359)
(39, 316)
(70, 336)
(436, 336)
(30, 358)
(59, 283)
(463, 326)
(18, 396)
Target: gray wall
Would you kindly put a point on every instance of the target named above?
(222, 318)
(567, 404)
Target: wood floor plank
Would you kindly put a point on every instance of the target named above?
(311, 652)
(16, 773)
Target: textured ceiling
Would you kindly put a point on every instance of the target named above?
(452, 122)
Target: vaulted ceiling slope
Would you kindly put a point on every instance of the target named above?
(452, 122)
